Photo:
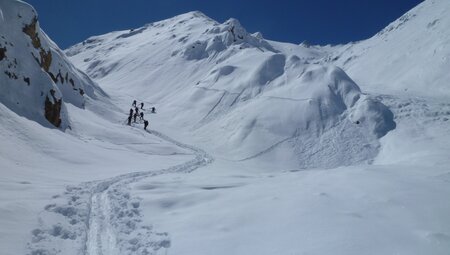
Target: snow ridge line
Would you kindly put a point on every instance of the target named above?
(101, 217)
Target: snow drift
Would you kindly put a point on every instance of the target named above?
(246, 96)
(37, 79)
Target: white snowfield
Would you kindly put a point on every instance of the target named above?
(256, 147)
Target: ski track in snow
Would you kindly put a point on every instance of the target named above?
(101, 218)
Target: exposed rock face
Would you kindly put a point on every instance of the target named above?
(45, 56)
(53, 109)
(2, 53)
(30, 30)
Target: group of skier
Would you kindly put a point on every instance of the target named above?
(138, 112)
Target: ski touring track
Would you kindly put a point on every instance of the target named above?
(101, 217)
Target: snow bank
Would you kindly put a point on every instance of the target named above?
(37, 78)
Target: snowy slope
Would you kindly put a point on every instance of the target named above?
(103, 187)
(410, 56)
(39, 166)
(221, 81)
(37, 79)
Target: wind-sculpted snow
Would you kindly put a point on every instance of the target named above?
(37, 79)
(101, 217)
(270, 69)
(240, 91)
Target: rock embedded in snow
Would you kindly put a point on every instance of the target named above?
(372, 112)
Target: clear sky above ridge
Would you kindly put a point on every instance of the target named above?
(69, 22)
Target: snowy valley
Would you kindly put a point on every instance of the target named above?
(256, 146)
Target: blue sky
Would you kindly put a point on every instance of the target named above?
(317, 21)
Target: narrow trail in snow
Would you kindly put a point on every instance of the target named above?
(101, 218)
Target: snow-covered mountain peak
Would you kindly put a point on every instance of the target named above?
(233, 25)
(191, 15)
(220, 37)
(193, 36)
(188, 20)
(235, 33)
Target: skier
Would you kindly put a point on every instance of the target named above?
(153, 110)
(129, 120)
(145, 124)
(142, 115)
(131, 112)
(142, 106)
(134, 103)
(136, 109)
(135, 116)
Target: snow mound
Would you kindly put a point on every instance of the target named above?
(319, 117)
(36, 76)
(247, 97)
